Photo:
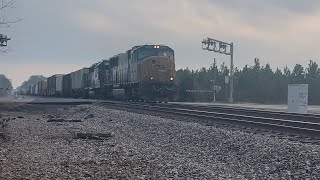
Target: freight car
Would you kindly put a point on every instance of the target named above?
(32, 92)
(43, 87)
(66, 85)
(55, 85)
(79, 81)
(36, 89)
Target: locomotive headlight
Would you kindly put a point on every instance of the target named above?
(151, 78)
(171, 79)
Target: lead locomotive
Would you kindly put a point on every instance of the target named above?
(144, 72)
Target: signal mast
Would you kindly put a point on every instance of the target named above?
(225, 48)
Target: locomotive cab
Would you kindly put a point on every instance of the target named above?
(155, 69)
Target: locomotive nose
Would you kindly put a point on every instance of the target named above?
(158, 69)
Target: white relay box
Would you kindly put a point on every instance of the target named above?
(298, 98)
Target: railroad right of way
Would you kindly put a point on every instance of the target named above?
(277, 123)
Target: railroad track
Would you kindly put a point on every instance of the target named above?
(251, 112)
(296, 124)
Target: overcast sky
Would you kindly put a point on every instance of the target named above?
(62, 36)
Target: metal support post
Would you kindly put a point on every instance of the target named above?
(231, 74)
(214, 79)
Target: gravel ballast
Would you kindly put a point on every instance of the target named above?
(94, 142)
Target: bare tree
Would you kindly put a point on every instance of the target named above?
(5, 23)
(5, 86)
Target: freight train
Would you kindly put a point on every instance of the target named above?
(144, 72)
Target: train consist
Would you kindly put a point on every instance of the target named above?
(144, 72)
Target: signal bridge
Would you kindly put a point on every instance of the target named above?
(4, 40)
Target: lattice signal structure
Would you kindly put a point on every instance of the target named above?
(221, 47)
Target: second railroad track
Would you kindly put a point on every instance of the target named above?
(298, 124)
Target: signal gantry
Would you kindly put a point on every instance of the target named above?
(4, 40)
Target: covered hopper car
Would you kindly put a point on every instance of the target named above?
(55, 85)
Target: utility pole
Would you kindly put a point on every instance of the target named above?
(221, 47)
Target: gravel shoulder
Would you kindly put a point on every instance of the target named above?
(137, 146)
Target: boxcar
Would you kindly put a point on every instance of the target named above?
(59, 85)
(43, 87)
(36, 89)
(66, 85)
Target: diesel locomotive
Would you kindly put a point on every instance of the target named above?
(144, 72)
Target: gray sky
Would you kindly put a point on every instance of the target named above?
(62, 36)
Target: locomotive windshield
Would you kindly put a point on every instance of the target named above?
(148, 51)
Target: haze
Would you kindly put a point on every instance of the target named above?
(63, 36)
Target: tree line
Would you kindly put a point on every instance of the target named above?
(254, 83)
(34, 79)
(5, 86)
